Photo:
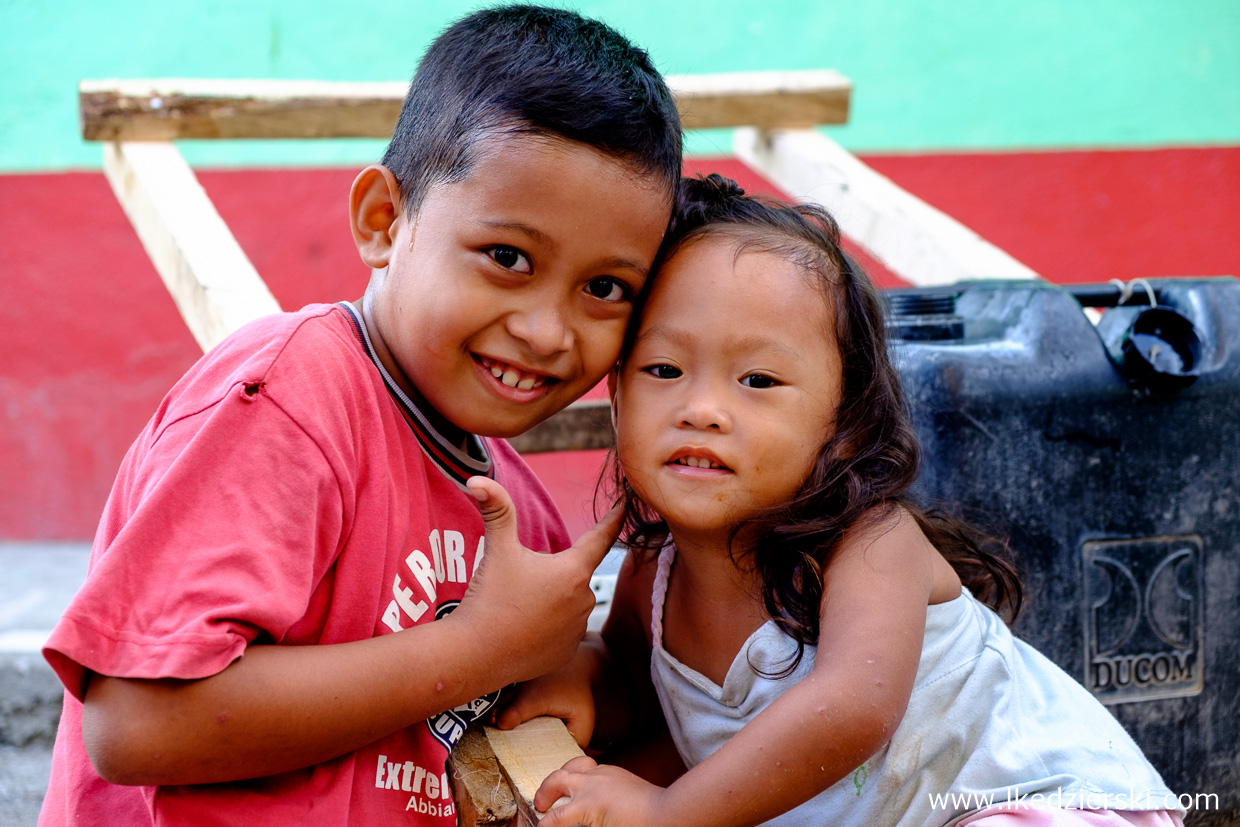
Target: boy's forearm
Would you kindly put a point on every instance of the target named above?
(280, 708)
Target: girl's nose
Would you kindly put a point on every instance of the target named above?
(703, 409)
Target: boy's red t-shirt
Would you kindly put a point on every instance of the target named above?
(282, 494)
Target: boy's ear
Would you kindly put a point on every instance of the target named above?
(374, 212)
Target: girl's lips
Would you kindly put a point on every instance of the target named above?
(697, 460)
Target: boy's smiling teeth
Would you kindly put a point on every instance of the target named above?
(514, 378)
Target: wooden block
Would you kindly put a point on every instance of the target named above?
(214, 285)
(482, 794)
(527, 755)
(582, 426)
(164, 109)
(917, 242)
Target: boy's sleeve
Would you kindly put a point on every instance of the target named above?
(217, 533)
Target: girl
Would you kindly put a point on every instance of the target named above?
(802, 623)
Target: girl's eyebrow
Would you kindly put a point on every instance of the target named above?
(751, 343)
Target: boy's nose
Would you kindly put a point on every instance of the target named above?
(543, 329)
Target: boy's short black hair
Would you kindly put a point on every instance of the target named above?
(535, 70)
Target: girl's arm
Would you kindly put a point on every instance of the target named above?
(873, 616)
(280, 708)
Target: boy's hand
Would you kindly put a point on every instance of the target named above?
(566, 693)
(597, 796)
(529, 608)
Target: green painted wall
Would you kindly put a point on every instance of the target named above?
(930, 75)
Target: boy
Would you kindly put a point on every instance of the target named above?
(313, 485)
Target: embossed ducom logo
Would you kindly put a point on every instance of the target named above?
(1143, 618)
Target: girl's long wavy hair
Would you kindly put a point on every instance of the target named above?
(866, 463)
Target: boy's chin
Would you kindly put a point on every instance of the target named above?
(510, 430)
(486, 424)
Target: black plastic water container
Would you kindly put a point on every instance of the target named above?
(1110, 454)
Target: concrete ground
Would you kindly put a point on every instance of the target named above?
(36, 582)
(23, 779)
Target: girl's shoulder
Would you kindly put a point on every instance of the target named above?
(884, 535)
(888, 543)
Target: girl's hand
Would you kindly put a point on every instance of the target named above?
(597, 796)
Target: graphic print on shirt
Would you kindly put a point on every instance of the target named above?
(431, 791)
(445, 564)
(447, 727)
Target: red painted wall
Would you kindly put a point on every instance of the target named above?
(1091, 216)
(90, 340)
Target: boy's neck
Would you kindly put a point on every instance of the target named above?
(456, 436)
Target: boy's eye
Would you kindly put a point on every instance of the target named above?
(510, 258)
(758, 380)
(663, 371)
(609, 289)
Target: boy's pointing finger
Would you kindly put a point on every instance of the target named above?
(596, 542)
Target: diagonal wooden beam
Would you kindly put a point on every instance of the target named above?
(165, 109)
(214, 285)
(917, 242)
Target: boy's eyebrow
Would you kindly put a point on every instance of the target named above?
(525, 229)
(535, 234)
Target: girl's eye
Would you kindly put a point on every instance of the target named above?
(663, 371)
(609, 289)
(510, 258)
(758, 380)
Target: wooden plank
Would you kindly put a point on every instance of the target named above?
(164, 109)
(482, 794)
(762, 99)
(917, 242)
(214, 285)
(529, 753)
(582, 426)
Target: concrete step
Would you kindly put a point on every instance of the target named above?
(36, 582)
(23, 781)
